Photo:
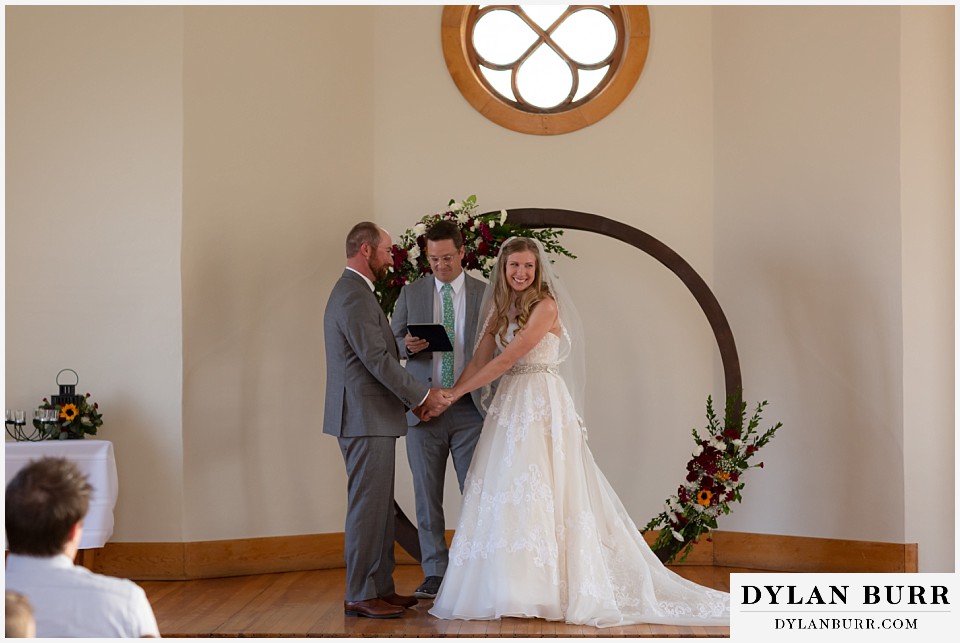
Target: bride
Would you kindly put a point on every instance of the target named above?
(542, 533)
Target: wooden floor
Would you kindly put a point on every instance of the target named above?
(310, 603)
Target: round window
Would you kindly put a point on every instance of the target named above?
(545, 69)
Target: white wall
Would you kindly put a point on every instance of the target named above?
(236, 145)
(928, 206)
(277, 168)
(93, 189)
(808, 259)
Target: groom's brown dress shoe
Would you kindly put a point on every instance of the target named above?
(371, 608)
(399, 601)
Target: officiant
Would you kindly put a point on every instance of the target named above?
(449, 297)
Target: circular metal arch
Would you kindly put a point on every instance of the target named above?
(406, 532)
(570, 220)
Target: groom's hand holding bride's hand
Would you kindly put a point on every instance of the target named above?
(436, 403)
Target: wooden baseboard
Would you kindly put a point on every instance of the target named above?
(803, 554)
(221, 558)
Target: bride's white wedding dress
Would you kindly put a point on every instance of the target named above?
(542, 533)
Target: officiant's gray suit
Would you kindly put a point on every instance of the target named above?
(367, 394)
(454, 433)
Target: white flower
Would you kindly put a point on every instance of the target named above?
(455, 206)
(413, 252)
(737, 443)
(676, 535)
(462, 217)
(419, 229)
(697, 451)
(503, 216)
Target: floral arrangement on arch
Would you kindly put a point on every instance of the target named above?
(73, 420)
(483, 234)
(714, 479)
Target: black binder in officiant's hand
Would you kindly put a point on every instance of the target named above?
(436, 334)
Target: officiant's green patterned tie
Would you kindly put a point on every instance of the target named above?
(446, 363)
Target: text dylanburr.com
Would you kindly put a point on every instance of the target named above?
(847, 607)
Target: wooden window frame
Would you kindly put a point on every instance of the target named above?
(461, 64)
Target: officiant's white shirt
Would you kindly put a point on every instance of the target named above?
(459, 322)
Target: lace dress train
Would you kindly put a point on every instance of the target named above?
(543, 534)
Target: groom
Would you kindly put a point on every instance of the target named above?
(457, 430)
(367, 392)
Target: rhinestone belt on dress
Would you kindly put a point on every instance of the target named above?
(527, 369)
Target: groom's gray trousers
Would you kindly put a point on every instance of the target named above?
(369, 532)
(455, 432)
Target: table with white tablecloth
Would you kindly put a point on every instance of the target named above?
(95, 459)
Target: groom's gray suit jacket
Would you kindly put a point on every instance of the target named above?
(415, 306)
(367, 388)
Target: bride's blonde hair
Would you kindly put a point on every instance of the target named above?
(503, 294)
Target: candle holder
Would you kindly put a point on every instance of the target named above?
(17, 421)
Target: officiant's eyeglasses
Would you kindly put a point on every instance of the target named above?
(444, 259)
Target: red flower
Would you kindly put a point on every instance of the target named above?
(751, 450)
(483, 249)
(731, 434)
(693, 475)
(485, 232)
(760, 465)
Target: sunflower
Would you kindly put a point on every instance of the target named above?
(69, 412)
(704, 497)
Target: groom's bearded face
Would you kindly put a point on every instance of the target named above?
(382, 257)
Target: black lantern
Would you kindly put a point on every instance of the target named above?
(68, 392)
